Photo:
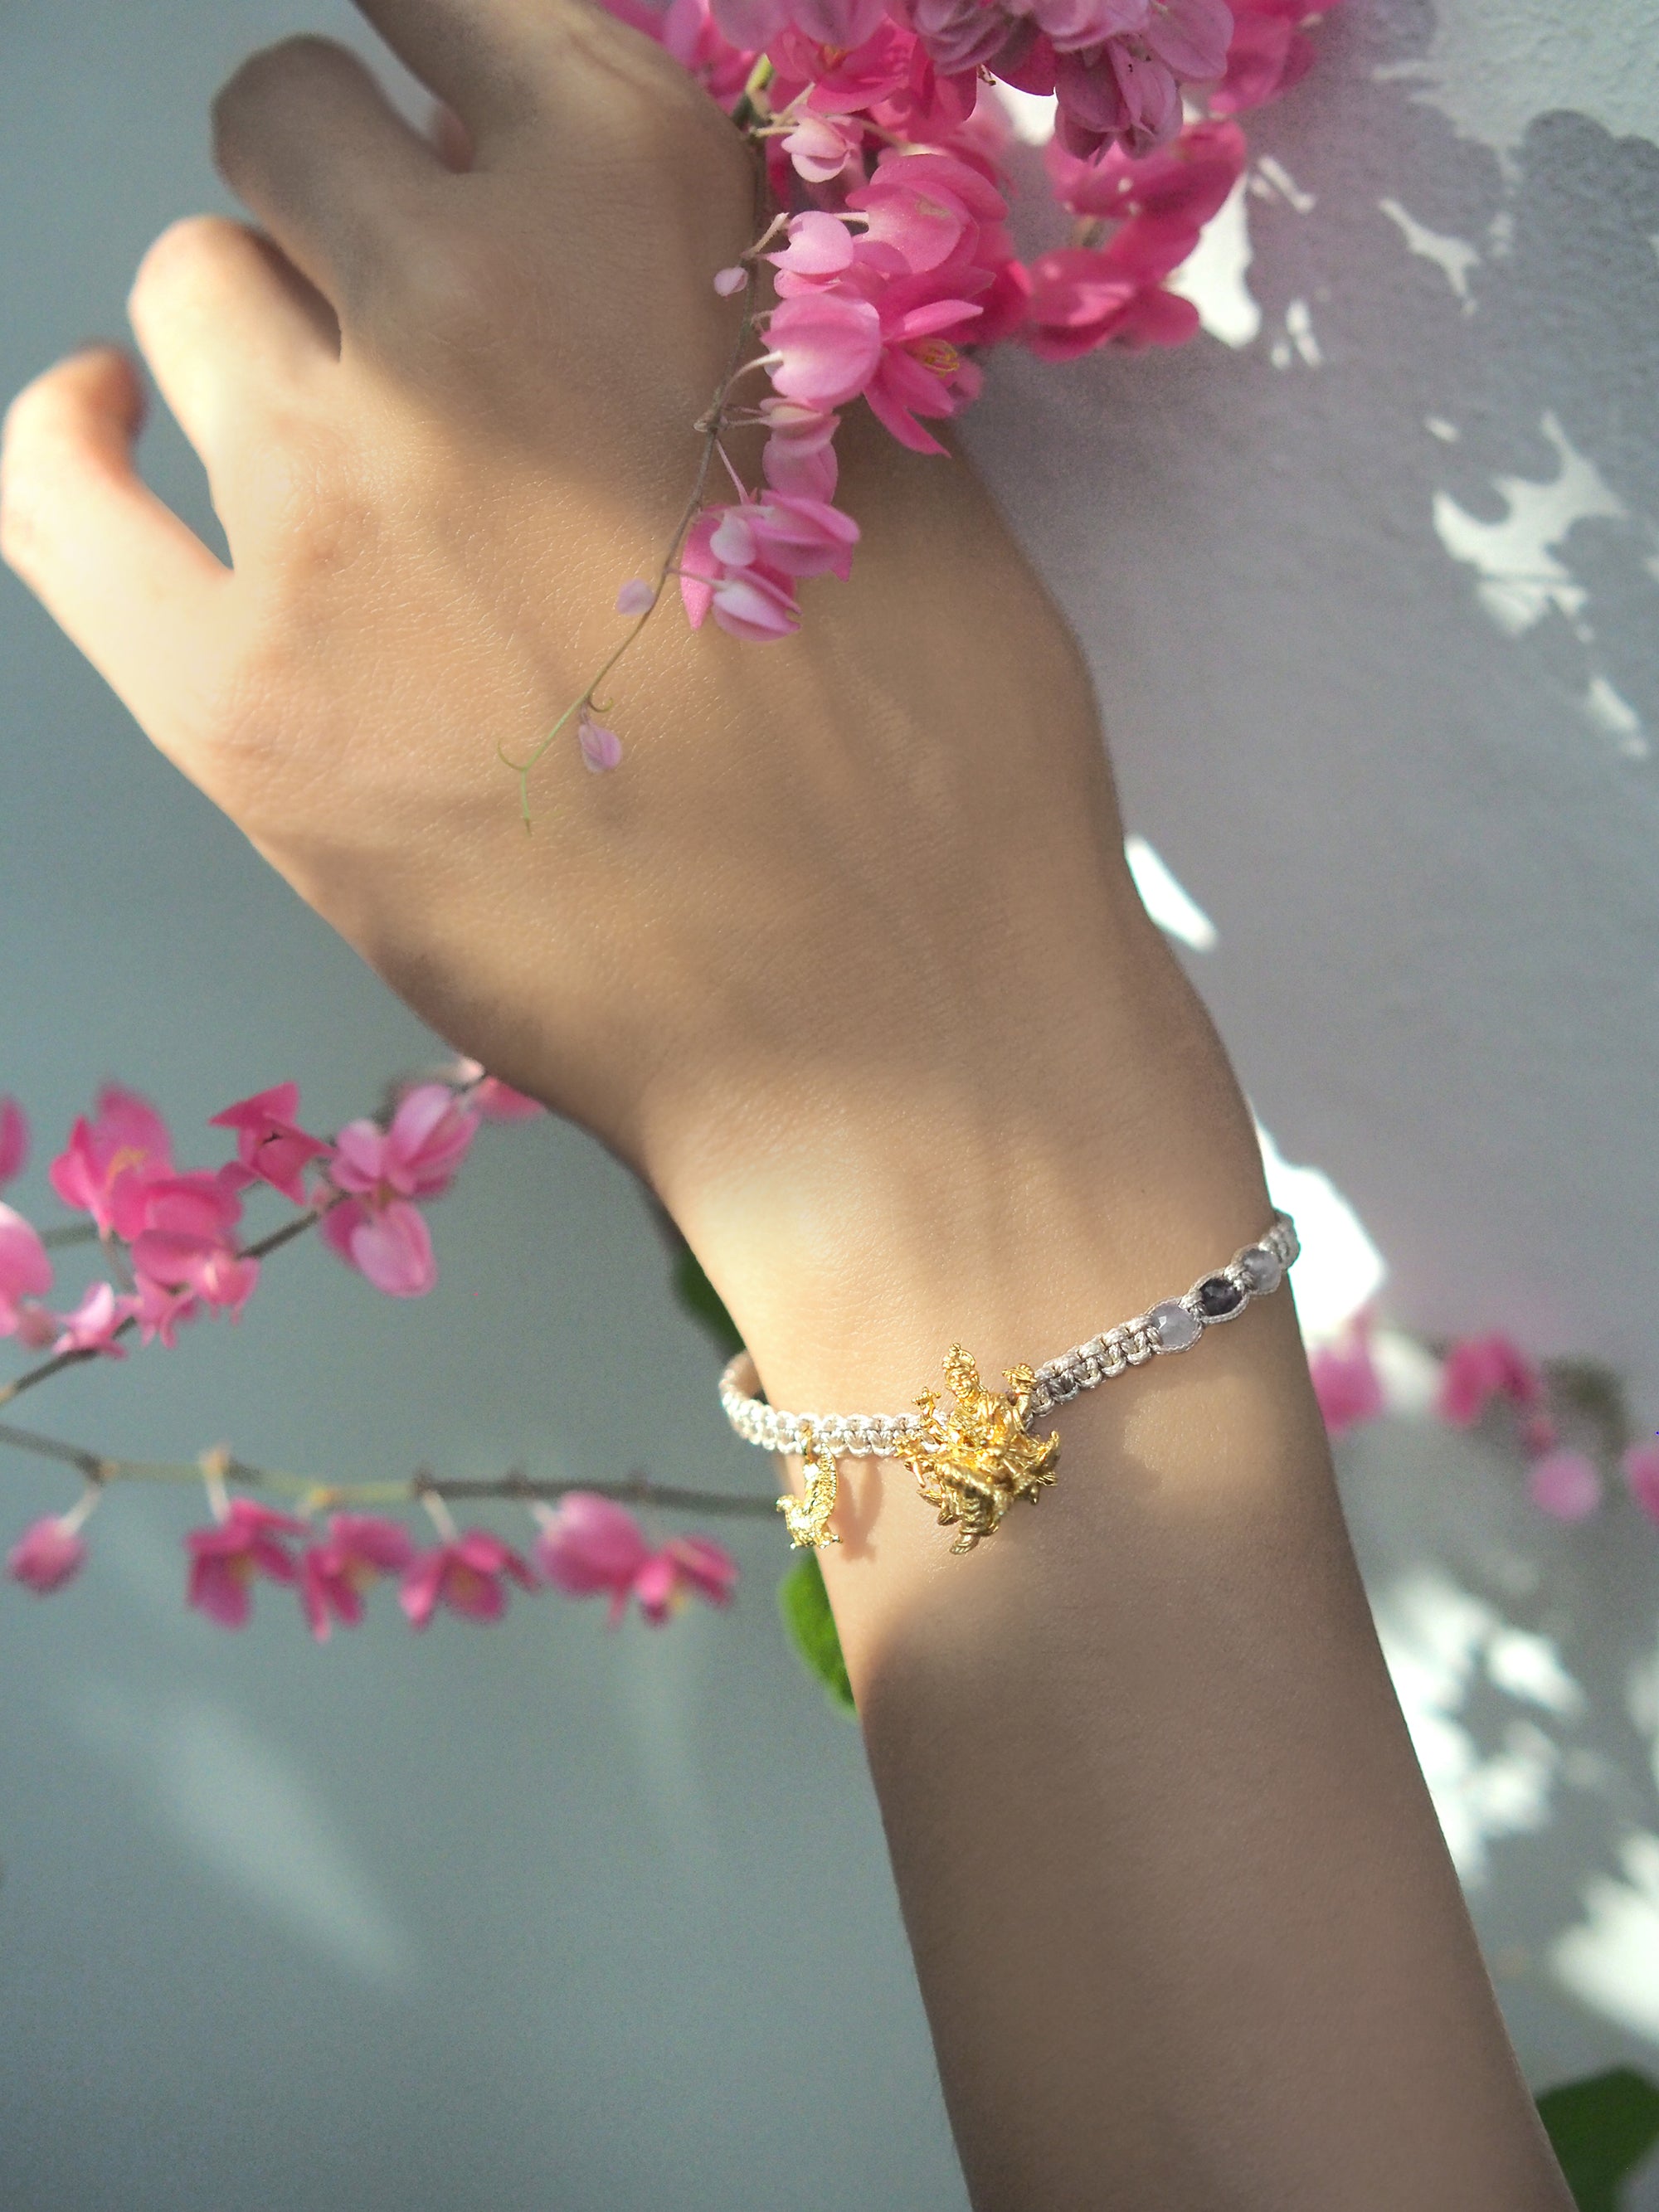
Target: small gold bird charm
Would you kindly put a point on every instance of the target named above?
(807, 1519)
(973, 1464)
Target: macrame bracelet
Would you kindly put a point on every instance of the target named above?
(975, 1463)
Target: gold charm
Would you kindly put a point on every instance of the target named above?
(807, 1519)
(975, 1464)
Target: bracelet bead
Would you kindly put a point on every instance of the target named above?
(1174, 1325)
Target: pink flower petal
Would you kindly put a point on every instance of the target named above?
(25, 1268)
(601, 748)
(393, 1248)
(47, 1555)
(13, 1141)
(1640, 1468)
(1566, 1485)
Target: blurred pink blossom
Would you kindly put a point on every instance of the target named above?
(685, 1566)
(49, 1553)
(270, 1146)
(109, 1162)
(1640, 1468)
(1479, 1369)
(13, 1141)
(391, 1244)
(24, 1269)
(1566, 1485)
(225, 1559)
(591, 1547)
(416, 1157)
(359, 1548)
(1346, 1384)
(468, 1574)
(93, 1325)
(378, 1230)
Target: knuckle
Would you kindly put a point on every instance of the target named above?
(286, 69)
(455, 285)
(176, 259)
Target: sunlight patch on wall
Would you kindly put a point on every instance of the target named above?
(1515, 558)
(1298, 343)
(1340, 1269)
(1170, 907)
(242, 1812)
(1441, 1643)
(1454, 257)
(1212, 276)
(1611, 1960)
(1031, 114)
(1612, 713)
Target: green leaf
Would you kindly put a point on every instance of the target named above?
(697, 1296)
(1601, 2129)
(805, 1604)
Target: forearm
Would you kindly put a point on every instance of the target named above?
(1187, 1931)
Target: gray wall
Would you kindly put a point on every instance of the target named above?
(548, 1917)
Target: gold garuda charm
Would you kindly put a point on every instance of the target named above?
(973, 1464)
(807, 1519)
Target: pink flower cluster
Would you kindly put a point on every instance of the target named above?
(590, 1546)
(1479, 1373)
(171, 1234)
(898, 267)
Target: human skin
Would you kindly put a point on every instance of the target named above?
(846, 963)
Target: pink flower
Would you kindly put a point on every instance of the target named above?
(25, 1270)
(391, 1244)
(96, 1323)
(1346, 1384)
(591, 1547)
(840, 23)
(496, 1101)
(826, 349)
(48, 1554)
(824, 146)
(1481, 1368)
(14, 1141)
(749, 601)
(1269, 51)
(184, 1248)
(1081, 299)
(686, 1566)
(270, 1146)
(1185, 182)
(1640, 1468)
(490, 1098)
(334, 1574)
(224, 1559)
(600, 748)
(378, 1230)
(110, 1162)
(416, 1157)
(799, 454)
(637, 597)
(465, 1574)
(1566, 1485)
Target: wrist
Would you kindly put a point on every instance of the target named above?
(1016, 1201)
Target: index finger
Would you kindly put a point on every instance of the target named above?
(494, 62)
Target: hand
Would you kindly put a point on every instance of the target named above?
(850, 932)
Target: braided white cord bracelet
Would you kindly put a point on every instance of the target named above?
(973, 1463)
(1256, 1271)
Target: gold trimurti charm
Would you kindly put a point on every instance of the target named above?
(807, 1519)
(975, 1464)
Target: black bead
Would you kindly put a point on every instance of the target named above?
(1217, 1296)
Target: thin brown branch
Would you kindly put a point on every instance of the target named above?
(635, 1489)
